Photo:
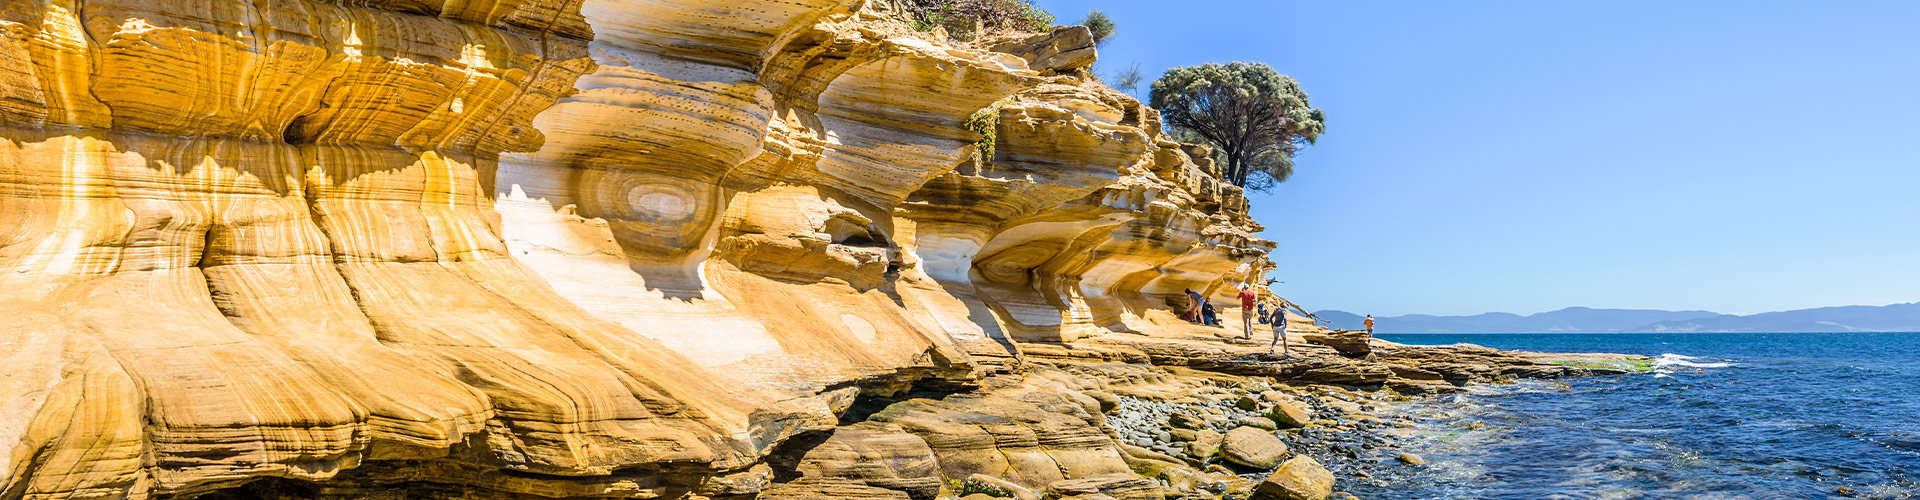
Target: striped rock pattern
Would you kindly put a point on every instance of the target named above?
(557, 248)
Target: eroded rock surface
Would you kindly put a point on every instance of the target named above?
(560, 249)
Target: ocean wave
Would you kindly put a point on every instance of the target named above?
(1671, 360)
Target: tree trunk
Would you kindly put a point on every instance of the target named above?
(1236, 169)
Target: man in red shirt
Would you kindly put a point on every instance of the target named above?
(1247, 298)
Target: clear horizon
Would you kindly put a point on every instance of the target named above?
(1530, 313)
(1484, 157)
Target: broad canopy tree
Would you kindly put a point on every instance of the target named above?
(1253, 116)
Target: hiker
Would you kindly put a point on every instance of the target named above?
(1208, 316)
(1247, 298)
(1369, 324)
(1193, 307)
(1280, 332)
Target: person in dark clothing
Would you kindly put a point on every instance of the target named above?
(1207, 314)
(1279, 322)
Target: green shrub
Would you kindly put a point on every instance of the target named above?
(970, 486)
(985, 122)
(965, 19)
(1098, 23)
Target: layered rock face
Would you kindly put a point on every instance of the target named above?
(553, 248)
(598, 249)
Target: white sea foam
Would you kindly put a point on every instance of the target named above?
(1669, 361)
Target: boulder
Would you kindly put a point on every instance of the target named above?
(1115, 486)
(1301, 478)
(1107, 400)
(1246, 403)
(1135, 452)
(1257, 421)
(1186, 421)
(1064, 49)
(1412, 459)
(1184, 478)
(1252, 447)
(1149, 467)
(1182, 435)
(1204, 444)
(1352, 343)
(1288, 414)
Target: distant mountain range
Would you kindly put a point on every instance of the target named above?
(1887, 318)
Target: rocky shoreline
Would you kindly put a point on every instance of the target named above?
(1211, 428)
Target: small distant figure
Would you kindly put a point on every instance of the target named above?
(1369, 324)
(1247, 299)
(1280, 333)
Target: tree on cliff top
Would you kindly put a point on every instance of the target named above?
(1253, 116)
(1099, 24)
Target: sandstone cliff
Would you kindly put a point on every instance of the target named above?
(564, 248)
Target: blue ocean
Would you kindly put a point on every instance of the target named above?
(1806, 415)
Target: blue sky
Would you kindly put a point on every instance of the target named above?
(1526, 156)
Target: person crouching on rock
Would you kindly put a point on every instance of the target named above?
(1247, 299)
(1192, 313)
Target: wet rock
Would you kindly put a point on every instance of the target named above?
(1412, 459)
(1301, 478)
(1246, 403)
(1252, 447)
